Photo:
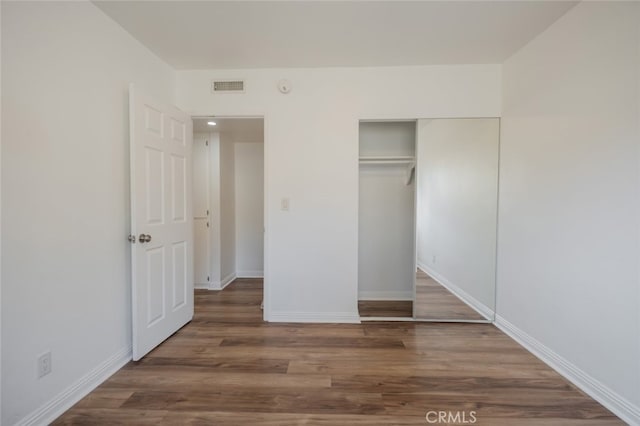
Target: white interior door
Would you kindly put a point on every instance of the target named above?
(201, 178)
(161, 221)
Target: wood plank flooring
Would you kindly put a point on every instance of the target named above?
(385, 308)
(227, 367)
(433, 301)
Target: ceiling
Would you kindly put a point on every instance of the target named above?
(237, 129)
(264, 34)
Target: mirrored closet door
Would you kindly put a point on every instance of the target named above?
(456, 218)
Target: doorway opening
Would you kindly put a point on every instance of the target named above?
(228, 201)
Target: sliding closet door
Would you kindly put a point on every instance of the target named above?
(457, 190)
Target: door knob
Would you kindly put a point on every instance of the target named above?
(144, 238)
(132, 239)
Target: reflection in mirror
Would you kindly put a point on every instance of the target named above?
(456, 195)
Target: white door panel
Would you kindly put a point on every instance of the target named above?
(180, 281)
(200, 177)
(202, 261)
(201, 253)
(161, 207)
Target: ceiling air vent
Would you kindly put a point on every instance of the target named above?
(227, 86)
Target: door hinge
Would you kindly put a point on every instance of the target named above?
(207, 212)
(207, 224)
(207, 278)
(206, 143)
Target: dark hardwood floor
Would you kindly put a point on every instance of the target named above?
(227, 367)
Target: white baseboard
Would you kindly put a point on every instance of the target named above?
(620, 406)
(315, 317)
(385, 295)
(55, 407)
(201, 286)
(250, 274)
(471, 301)
(220, 285)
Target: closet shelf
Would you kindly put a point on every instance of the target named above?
(387, 160)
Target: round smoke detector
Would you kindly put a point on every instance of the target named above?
(284, 86)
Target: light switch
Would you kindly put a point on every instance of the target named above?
(284, 204)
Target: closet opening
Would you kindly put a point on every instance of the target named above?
(386, 219)
(228, 201)
(427, 219)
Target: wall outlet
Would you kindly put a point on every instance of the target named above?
(44, 364)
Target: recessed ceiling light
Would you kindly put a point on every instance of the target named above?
(211, 123)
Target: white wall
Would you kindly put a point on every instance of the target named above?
(457, 204)
(568, 248)
(65, 187)
(386, 233)
(311, 157)
(387, 139)
(249, 208)
(227, 211)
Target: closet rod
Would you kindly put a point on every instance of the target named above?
(388, 158)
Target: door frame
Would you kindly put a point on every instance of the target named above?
(266, 289)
